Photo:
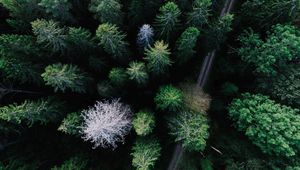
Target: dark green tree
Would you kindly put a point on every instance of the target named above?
(158, 58)
(186, 44)
(169, 98)
(118, 77)
(191, 128)
(80, 41)
(199, 14)
(33, 112)
(137, 72)
(74, 163)
(66, 77)
(145, 153)
(107, 11)
(273, 127)
(143, 123)
(58, 9)
(167, 20)
(112, 40)
(71, 124)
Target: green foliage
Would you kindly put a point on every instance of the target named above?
(118, 77)
(158, 58)
(217, 30)
(112, 40)
(137, 72)
(206, 164)
(167, 20)
(71, 124)
(169, 98)
(274, 128)
(79, 40)
(145, 153)
(74, 163)
(62, 77)
(253, 164)
(59, 9)
(200, 13)
(186, 44)
(31, 112)
(107, 11)
(281, 47)
(143, 122)
(191, 128)
(268, 12)
(229, 89)
(49, 34)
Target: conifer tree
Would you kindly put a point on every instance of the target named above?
(71, 124)
(58, 9)
(49, 34)
(167, 20)
(143, 122)
(74, 163)
(186, 44)
(66, 77)
(145, 153)
(137, 72)
(200, 13)
(33, 112)
(191, 128)
(80, 41)
(145, 36)
(118, 77)
(158, 58)
(112, 40)
(169, 98)
(107, 11)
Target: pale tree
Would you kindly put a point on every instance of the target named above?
(145, 36)
(106, 123)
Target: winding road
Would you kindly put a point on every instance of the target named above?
(202, 79)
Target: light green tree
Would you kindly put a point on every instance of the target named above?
(71, 124)
(200, 13)
(169, 98)
(143, 122)
(273, 127)
(118, 77)
(137, 72)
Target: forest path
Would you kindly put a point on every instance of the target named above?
(202, 79)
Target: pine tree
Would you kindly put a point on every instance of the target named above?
(196, 124)
(137, 72)
(118, 77)
(71, 124)
(169, 98)
(143, 123)
(58, 9)
(50, 34)
(107, 11)
(33, 112)
(145, 153)
(200, 13)
(158, 58)
(167, 20)
(186, 43)
(66, 77)
(112, 40)
(145, 36)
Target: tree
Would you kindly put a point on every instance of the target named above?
(106, 123)
(265, 13)
(118, 77)
(281, 47)
(158, 58)
(62, 77)
(49, 34)
(112, 40)
(145, 153)
(74, 163)
(186, 44)
(191, 128)
(169, 98)
(167, 20)
(58, 9)
(137, 72)
(145, 36)
(229, 89)
(32, 112)
(274, 128)
(199, 14)
(217, 30)
(79, 41)
(143, 123)
(71, 124)
(107, 11)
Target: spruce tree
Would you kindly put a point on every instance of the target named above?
(169, 98)
(158, 58)
(118, 77)
(186, 44)
(33, 112)
(58, 9)
(49, 34)
(107, 11)
(137, 72)
(66, 77)
(200, 13)
(71, 124)
(143, 123)
(80, 41)
(112, 40)
(167, 20)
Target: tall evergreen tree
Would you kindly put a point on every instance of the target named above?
(200, 13)
(169, 98)
(143, 122)
(71, 124)
(118, 77)
(137, 72)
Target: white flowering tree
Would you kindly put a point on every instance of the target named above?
(106, 123)
(145, 36)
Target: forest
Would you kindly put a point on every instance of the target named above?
(149, 84)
